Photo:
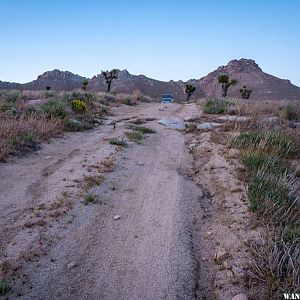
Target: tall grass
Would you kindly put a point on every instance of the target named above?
(267, 141)
(275, 260)
(217, 106)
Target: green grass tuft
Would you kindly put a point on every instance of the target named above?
(135, 136)
(91, 199)
(142, 129)
(4, 287)
(273, 141)
(118, 142)
(265, 186)
(272, 164)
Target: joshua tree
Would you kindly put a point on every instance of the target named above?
(109, 77)
(85, 82)
(226, 83)
(245, 92)
(189, 90)
(48, 88)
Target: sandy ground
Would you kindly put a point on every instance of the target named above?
(173, 213)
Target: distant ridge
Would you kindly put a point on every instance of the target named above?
(246, 71)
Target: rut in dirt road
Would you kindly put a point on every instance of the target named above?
(149, 252)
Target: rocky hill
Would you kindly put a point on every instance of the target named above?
(246, 71)
(264, 86)
(58, 80)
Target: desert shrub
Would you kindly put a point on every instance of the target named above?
(55, 108)
(138, 96)
(33, 111)
(13, 96)
(4, 106)
(25, 139)
(289, 112)
(127, 101)
(79, 106)
(74, 125)
(216, 106)
(117, 142)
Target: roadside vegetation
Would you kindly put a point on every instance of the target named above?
(269, 144)
(24, 123)
(270, 151)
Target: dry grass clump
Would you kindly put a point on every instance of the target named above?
(90, 181)
(25, 133)
(275, 264)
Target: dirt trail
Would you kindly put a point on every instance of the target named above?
(147, 254)
(183, 216)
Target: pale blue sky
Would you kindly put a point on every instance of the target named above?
(161, 39)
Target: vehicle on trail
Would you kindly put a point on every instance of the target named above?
(167, 98)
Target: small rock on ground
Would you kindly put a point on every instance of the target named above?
(240, 297)
(72, 265)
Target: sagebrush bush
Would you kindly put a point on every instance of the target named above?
(13, 96)
(55, 108)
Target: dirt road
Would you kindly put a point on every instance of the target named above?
(81, 252)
